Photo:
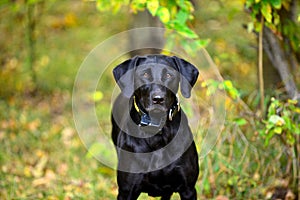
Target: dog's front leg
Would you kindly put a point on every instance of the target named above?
(129, 185)
(189, 194)
(128, 195)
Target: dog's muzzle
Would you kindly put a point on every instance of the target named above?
(154, 121)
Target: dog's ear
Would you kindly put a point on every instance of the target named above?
(124, 75)
(189, 74)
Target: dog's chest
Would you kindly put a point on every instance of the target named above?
(158, 141)
(162, 181)
(147, 144)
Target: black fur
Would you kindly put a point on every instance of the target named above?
(149, 85)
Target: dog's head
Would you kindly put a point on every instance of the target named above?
(154, 80)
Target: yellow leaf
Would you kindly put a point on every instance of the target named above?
(152, 6)
(52, 198)
(266, 10)
(27, 171)
(38, 170)
(97, 96)
(163, 14)
(70, 20)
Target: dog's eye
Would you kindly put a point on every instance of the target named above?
(146, 75)
(168, 75)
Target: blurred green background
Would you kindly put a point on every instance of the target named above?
(42, 45)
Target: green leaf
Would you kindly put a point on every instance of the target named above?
(276, 3)
(202, 43)
(278, 130)
(240, 121)
(185, 5)
(185, 31)
(290, 139)
(297, 129)
(276, 18)
(269, 135)
(103, 5)
(276, 120)
(152, 6)
(182, 16)
(228, 84)
(288, 122)
(233, 92)
(266, 10)
(138, 5)
(269, 126)
(163, 14)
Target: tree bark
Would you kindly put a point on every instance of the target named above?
(277, 56)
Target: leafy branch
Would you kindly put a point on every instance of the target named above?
(277, 19)
(174, 15)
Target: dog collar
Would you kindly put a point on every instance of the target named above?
(174, 110)
(146, 120)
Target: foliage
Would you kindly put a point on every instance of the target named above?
(226, 85)
(175, 15)
(283, 119)
(272, 12)
(282, 122)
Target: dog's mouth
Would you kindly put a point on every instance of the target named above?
(154, 119)
(157, 114)
(156, 109)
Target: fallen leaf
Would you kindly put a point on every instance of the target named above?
(62, 169)
(38, 170)
(39, 181)
(67, 135)
(221, 197)
(32, 126)
(27, 171)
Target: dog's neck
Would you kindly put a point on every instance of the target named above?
(153, 123)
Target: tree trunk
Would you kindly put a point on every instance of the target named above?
(271, 76)
(274, 50)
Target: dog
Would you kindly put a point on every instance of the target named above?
(154, 144)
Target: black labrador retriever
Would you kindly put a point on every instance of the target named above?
(155, 147)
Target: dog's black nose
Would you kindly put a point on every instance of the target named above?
(158, 99)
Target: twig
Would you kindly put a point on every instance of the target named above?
(260, 68)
